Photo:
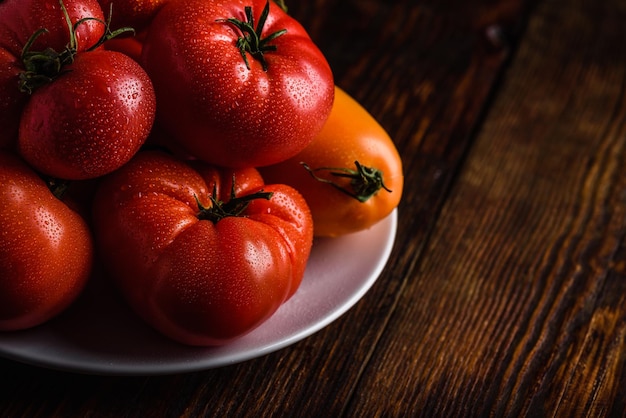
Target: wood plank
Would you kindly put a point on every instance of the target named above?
(518, 308)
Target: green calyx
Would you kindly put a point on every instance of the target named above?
(235, 206)
(43, 67)
(250, 41)
(364, 182)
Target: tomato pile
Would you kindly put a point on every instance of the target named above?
(192, 149)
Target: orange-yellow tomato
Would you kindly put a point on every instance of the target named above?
(350, 175)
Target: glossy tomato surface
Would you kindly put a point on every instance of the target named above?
(19, 21)
(193, 273)
(228, 104)
(89, 121)
(46, 249)
(344, 196)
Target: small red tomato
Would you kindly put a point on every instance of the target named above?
(90, 120)
(44, 23)
(238, 82)
(46, 249)
(21, 19)
(204, 255)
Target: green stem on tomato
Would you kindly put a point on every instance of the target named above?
(43, 67)
(108, 33)
(251, 40)
(235, 206)
(364, 183)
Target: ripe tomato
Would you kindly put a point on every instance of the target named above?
(232, 87)
(352, 172)
(76, 111)
(89, 121)
(201, 260)
(45, 249)
(19, 20)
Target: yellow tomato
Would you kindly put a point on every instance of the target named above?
(350, 175)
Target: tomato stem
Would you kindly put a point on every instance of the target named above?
(235, 206)
(43, 67)
(108, 33)
(251, 40)
(364, 183)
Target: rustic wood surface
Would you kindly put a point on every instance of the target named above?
(505, 294)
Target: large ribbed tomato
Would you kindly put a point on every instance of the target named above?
(200, 258)
(238, 82)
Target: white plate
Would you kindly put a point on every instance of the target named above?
(100, 335)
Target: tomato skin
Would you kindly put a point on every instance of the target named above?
(19, 20)
(46, 249)
(219, 110)
(198, 282)
(350, 134)
(89, 121)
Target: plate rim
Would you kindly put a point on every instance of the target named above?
(183, 366)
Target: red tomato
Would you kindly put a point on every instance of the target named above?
(89, 121)
(352, 172)
(232, 87)
(45, 249)
(19, 20)
(197, 264)
(75, 110)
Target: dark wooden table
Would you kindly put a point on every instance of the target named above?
(505, 294)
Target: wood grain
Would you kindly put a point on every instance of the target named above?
(518, 306)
